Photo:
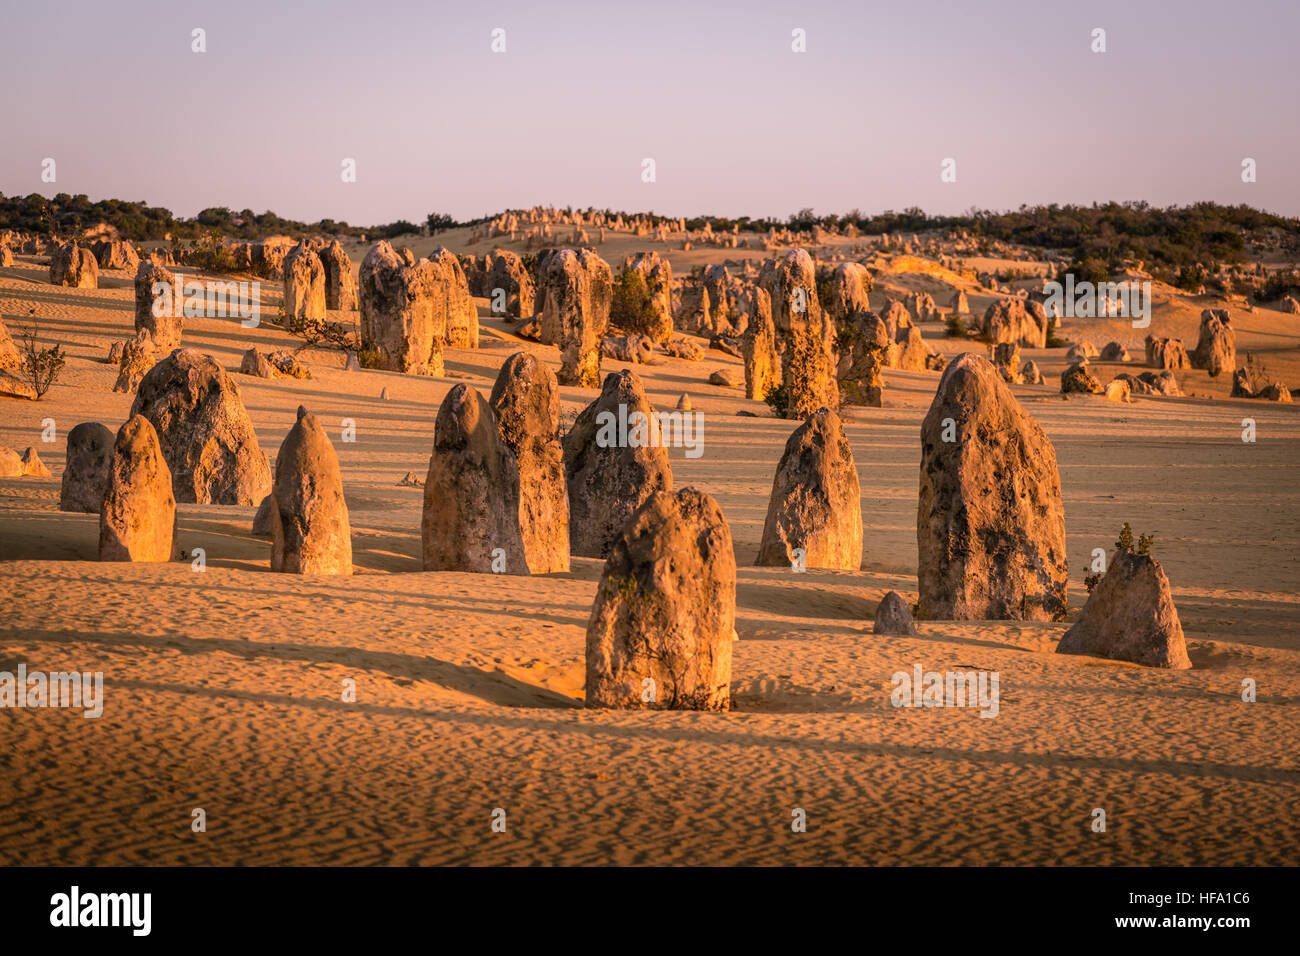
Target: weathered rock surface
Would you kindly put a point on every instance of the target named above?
(1115, 352)
(804, 333)
(33, 467)
(137, 519)
(11, 463)
(758, 349)
(452, 299)
(913, 354)
(400, 318)
(816, 501)
(637, 349)
(205, 433)
(894, 616)
(1166, 353)
(86, 468)
(1006, 359)
(304, 284)
(279, 364)
(310, 532)
(262, 520)
(575, 291)
(508, 274)
(1119, 390)
(526, 402)
(340, 287)
(1078, 378)
(611, 465)
(1030, 374)
(114, 254)
(74, 266)
(156, 299)
(1152, 383)
(658, 275)
(471, 492)
(663, 623)
(1009, 320)
(990, 524)
(1216, 348)
(137, 359)
(850, 283)
(10, 357)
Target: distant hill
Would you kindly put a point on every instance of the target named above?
(1179, 242)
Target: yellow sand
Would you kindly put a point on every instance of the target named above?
(224, 688)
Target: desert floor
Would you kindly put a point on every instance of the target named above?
(224, 687)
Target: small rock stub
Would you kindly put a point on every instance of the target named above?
(1130, 616)
(893, 616)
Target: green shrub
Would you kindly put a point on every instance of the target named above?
(530, 266)
(1280, 283)
(632, 308)
(1054, 341)
(1124, 543)
(1190, 277)
(778, 399)
(822, 277)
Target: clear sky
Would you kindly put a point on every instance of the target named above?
(737, 123)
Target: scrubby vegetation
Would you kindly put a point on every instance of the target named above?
(1054, 340)
(1125, 543)
(1278, 284)
(64, 215)
(41, 365)
(778, 399)
(632, 308)
(1175, 243)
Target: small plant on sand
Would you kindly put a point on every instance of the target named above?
(324, 334)
(41, 365)
(1054, 341)
(778, 399)
(956, 327)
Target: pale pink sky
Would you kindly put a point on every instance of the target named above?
(736, 122)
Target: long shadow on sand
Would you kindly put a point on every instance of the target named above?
(493, 687)
(654, 726)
